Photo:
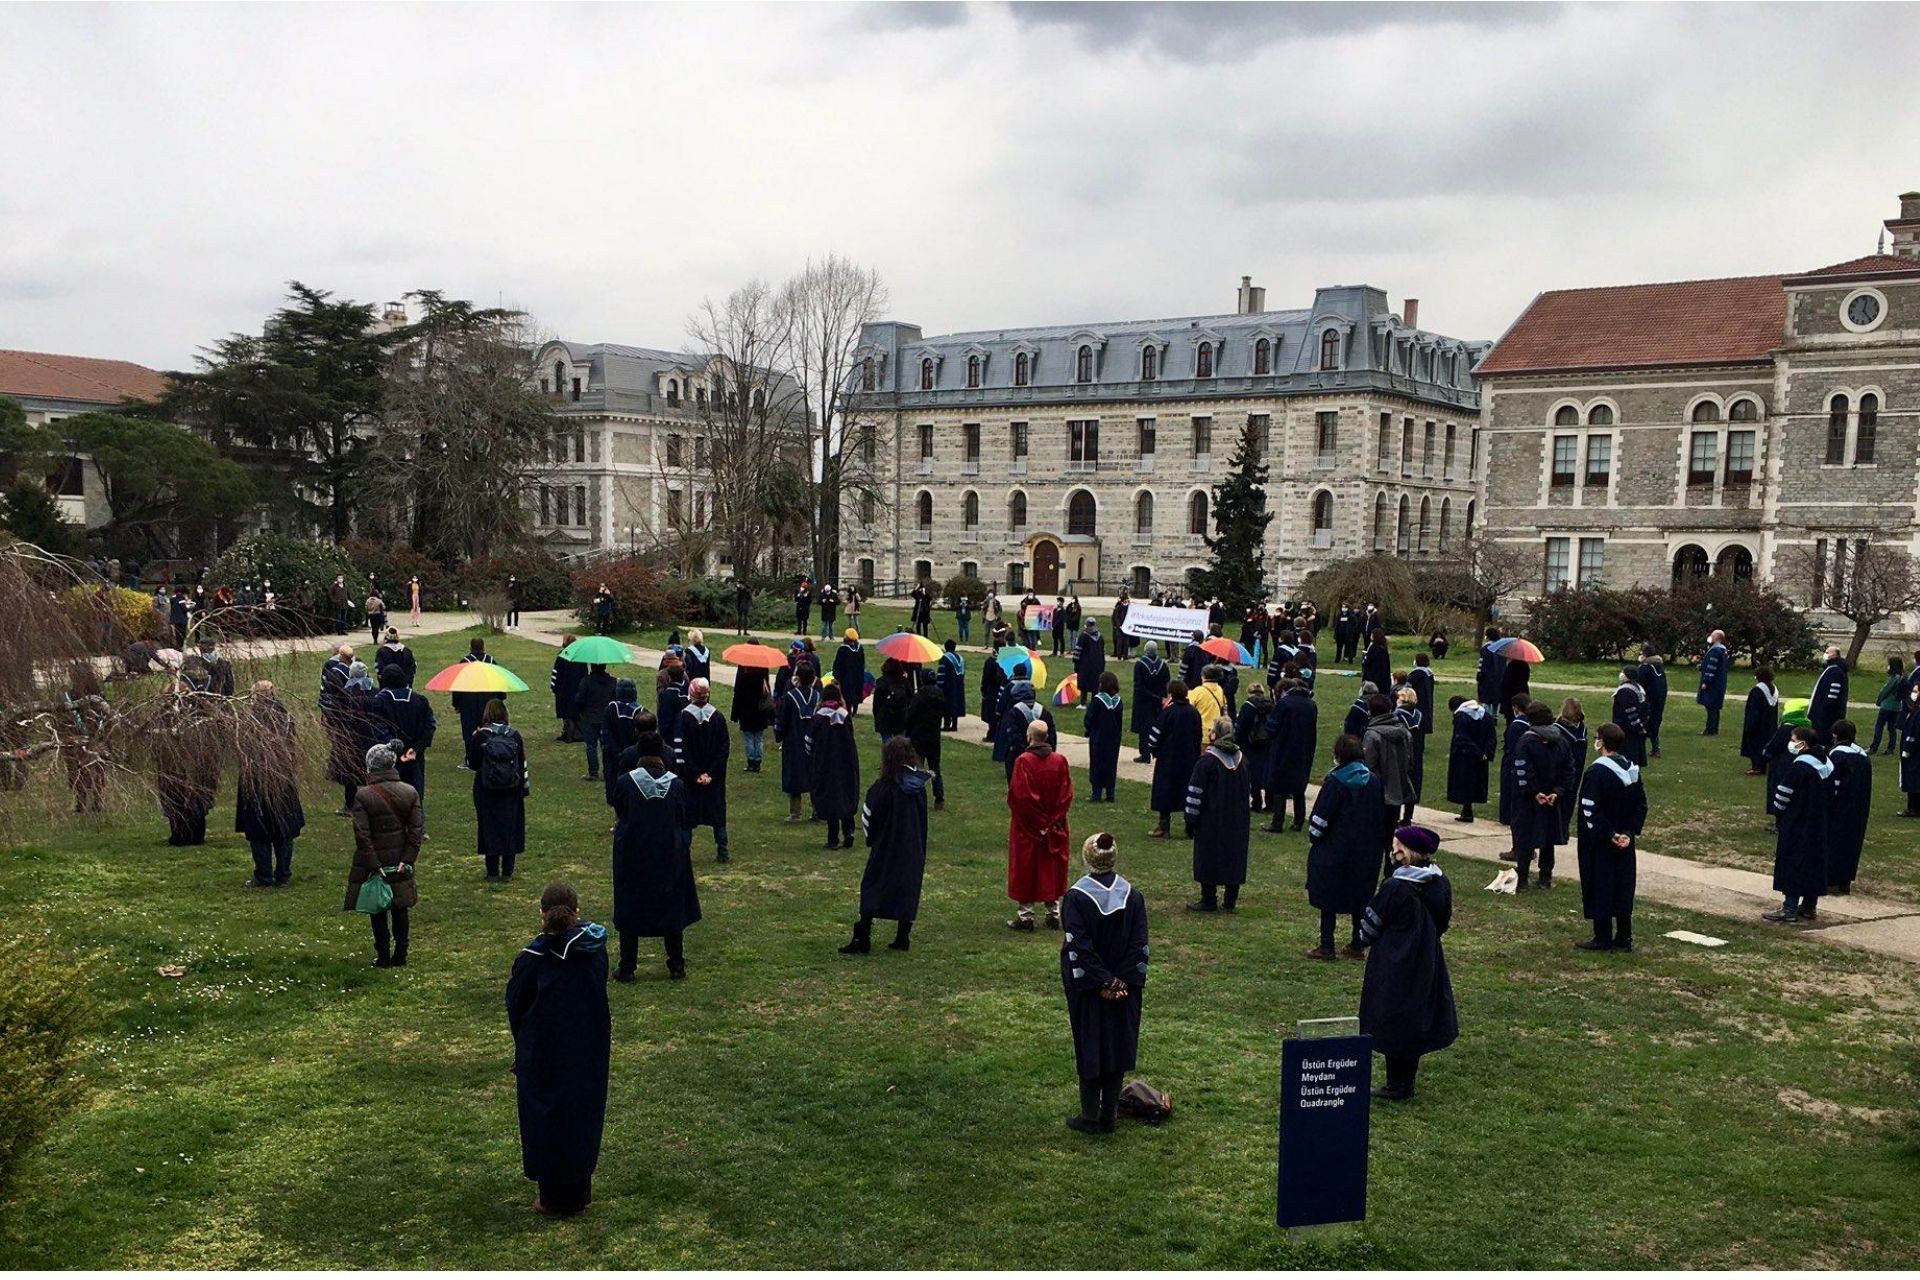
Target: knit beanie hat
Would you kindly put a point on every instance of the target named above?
(1098, 852)
(381, 756)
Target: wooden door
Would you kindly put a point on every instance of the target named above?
(1046, 568)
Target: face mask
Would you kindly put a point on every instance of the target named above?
(1796, 747)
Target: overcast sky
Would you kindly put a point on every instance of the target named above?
(605, 167)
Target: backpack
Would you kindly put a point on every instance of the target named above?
(500, 764)
(1141, 1101)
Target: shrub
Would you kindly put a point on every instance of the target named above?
(1600, 623)
(112, 616)
(1584, 624)
(392, 566)
(292, 565)
(1383, 580)
(964, 584)
(710, 601)
(544, 583)
(45, 1005)
(643, 595)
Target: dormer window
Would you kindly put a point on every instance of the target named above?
(1022, 370)
(1149, 364)
(673, 393)
(1203, 360)
(973, 371)
(559, 375)
(1263, 356)
(926, 374)
(1330, 349)
(1083, 365)
(866, 374)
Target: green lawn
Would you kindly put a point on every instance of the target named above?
(284, 1105)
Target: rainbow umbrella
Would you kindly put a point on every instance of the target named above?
(477, 677)
(1794, 710)
(909, 648)
(1011, 661)
(763, 656)
(1068, 693)
(1514, 649)
(1227, 650)
(596, 649)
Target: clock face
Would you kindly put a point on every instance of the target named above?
(1864, 310)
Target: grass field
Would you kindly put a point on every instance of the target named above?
(285, 1105)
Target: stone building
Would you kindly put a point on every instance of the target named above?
(1082, 457)
(1641, 432)
(50, 387)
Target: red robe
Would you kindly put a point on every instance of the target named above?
(1040, 795)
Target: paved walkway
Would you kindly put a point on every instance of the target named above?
(1889, 928)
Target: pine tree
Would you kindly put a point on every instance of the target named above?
(1238, 571)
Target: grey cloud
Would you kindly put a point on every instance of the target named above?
(932, 15)
(1205, 29)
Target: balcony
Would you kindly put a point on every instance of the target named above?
(1144, 465)
(923, 535)
(1322, 539)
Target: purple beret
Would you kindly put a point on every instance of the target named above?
(1422, 840)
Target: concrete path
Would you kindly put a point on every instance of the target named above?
(1889, 928)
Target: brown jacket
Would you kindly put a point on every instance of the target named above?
(387, 826)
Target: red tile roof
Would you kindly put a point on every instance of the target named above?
(1872, 264)
(52, 377)
(1687, 322)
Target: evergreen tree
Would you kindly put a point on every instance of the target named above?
(1238, 571)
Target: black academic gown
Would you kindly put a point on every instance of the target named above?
(701, 744)
(1509, 748)
(562, 1047)
(834, 764)
(1089, 660)
(1294, 723)
(698, 663)
(952, 675)
(1573, 765)
(1487, 680)
(394, 655)
(564, 682)
(1630, 713)
(1343, 840)
(1104, 920)
(407, 716)
(850, 673)
(793, 716)
(1176, 749)
(1104, 716)
(1376, 665)
(1801, 801)
(500, 817)
(618, 736)
(654, 894)
(1851, 802)
(1762, 718)
(1406, 998)
(1357, 718)
(1652, 677)
(1910, 752)
(1219, 807)
(1612, 802)
(1150, 679)
(1829, 700)
(1421, 680)
(1249, 724)
(1010, 743)
(925, 710)
(993, 678)
(1474, 738)
(895, 818)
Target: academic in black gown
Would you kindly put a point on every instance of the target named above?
(1469, 754)
(834, 770)
(793, 717)
(1150, 679)
(498, 759)
(1343, 841)
(1406, 998)
(1105, 937)
(407, 716)
(952, 676)
(1176, 743)
(1630, 713)
(993, 679)
(701, 744)
(654, 894)
(563, 683)
(1852, 801)
(1762, 718)
(1828, 702)
(1219, 798)
(1537, 759)
(926, 712)
(1294, 722)
(895, 818)
(1573, 765)
(1800, 802)
(1612, 803)
(1104, 718)
(1509, 746)
(1023, 708)
(562, 1047)
(1376, 665)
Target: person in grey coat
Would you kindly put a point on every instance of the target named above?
(1387, 746)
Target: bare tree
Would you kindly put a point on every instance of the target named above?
(1481, 574)
(1864, 582)
(825, 308)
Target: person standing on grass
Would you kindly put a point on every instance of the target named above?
(891, 693)
(376, 611)
(1104, 722)
(926, 710)
(952, 678)
(1715, 664)
(1103, 966)
(562, 1052)
(1089, 658)
(516, 594)
(1121, 604)
(1469, 754)
(469, 706)
(1829, 700)
(829, 608)
(1509, 746)
(701, 745)
(695, 657)
(963, 617)
(1630, 713)
(1151, 677)
(266, 801)
(1256, 742)
(742, 606)
(1762, 719)
(1294, 725)
(1406, 710)
(802, 606)
(1888, 700)
(894, 817)
(1343, 846)
(403, 716)
(1613, 809)
(1801, 804)
(1039, 798)
(187, 770)
(1387, 747)
(834, 768)
(670, 697)
(1651, 675)
(1910, 753)
(564, 683)
(389, 824)
(393, 652)
(1491, 673)
(1851, 802)
(1218, 806)
(922, 608)
(1016, 723)
(591, 699)
(604, 609)
(1376, 665)
(1534, 815)
(654, 895)
(753, 712)
(1572, 728)
(1175, 747)
(792, 719)
(850, 671)
(993, 682)
(346, 715)
(1406, 998)
(617, 732)
(501, 784)
(1209, 697)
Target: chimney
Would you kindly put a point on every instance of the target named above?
(1906, 227)
(1410, 313)
(1252, 300)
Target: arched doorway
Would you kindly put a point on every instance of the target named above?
(1735, 560)
(1690, 561)
(1046, 567)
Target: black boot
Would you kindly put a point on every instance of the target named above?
(862, 938)
(902, 936)
(1088, 1121)
(1109, 1101)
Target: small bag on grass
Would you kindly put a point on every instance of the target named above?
(1141, 1101)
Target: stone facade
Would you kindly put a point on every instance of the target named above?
(1083, 457)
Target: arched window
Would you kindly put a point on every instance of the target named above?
(559, 374)
(1446, 520)
(1706, 411)
(1380, 523)
(973, 371)
(1263, 356)
(926, 374)
(1330, 349)
(1323, 512)
(1691, 561)
(1083, 365)
(1566, 416)
(1736, 561)
(1149, 363)
(1197, 514)
(1080, 514)
(970, 510)
(866, 374)
(1426, 524)
(1143, 515)
(700, 397)
(1601, 415)
(1837, 430)
(1016, 510)
(673, 391)
(1466, 530)
(1866, 433)
(924, 506)
(1020, 368)
(759, 401)
(1403, 530)
(1203, 361)
(1743, 411)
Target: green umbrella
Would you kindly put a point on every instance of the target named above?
(597, 649)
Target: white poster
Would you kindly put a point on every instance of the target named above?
(1158, 622)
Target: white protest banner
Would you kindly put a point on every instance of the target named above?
(1158, 622)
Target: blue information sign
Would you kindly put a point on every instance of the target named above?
(1324, 1107)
